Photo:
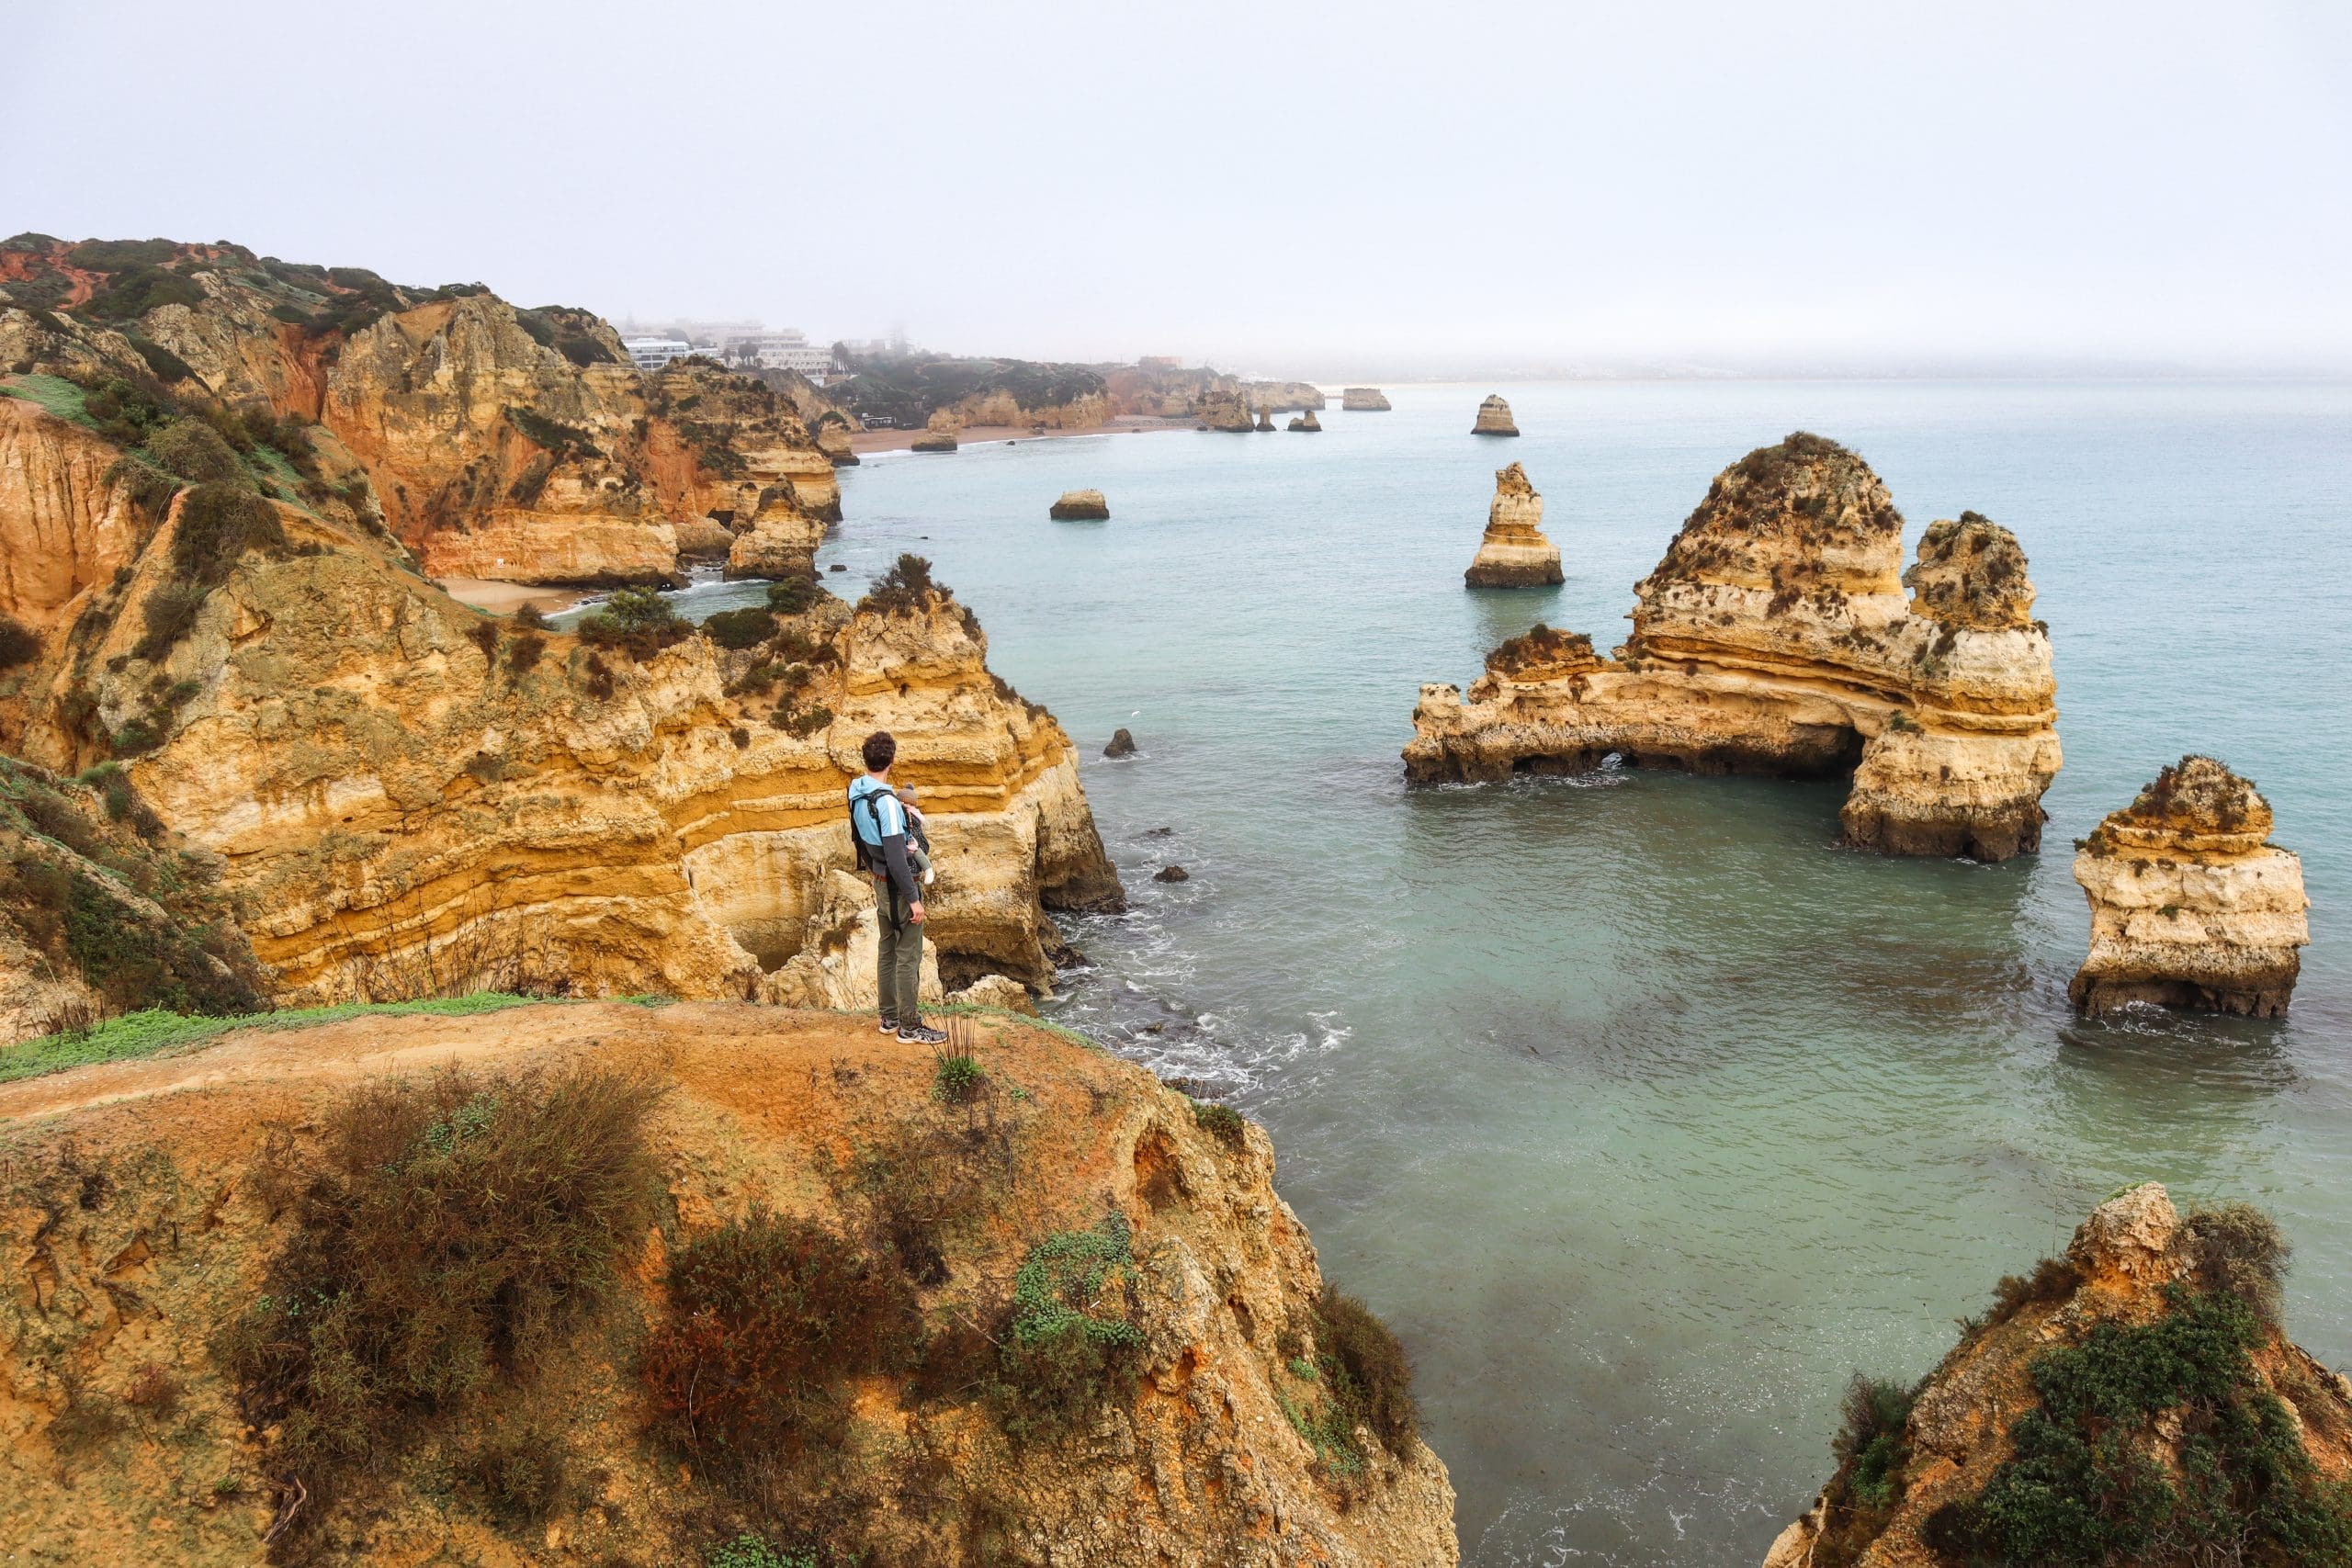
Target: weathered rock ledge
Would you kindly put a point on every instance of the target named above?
(1774, 637)
(1514, 553)
(147, 1208)
(2192, 906)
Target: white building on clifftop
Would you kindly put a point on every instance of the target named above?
(652, 353)
(782, 350)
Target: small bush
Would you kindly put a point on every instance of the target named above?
(958, 1077)
(1222, 1122)
(2237, 1249)
(218, 523)
(1369, 1372)
(153, 1390)
(150, 488)
(517, 1470)
(1070, 1344)
(193, 450)
(793, 596)
(801, 723)
(446, 1231)
(1870, 1443)
(905, 588)
(748, 1550)
(768, 1316)
(638, 621)
(530, 617)
(17, 646)
(170, 612)
(558, 439)
(523, 654)
(741, 629)
(484, 636)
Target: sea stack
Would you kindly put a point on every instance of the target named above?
(2191, 905)
(2224, 1428)
(1775, 639)
(1265, 419)
(1080, 506)
(1306, 421)
(1365, 399)
(1494, 418)
(1224, 410)
(1122, 745)
(1514, 554)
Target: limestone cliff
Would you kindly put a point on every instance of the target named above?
(1774, 637)
(1494, 418)
(496, 441)
(406, 797)
(184, 1237)
(1365, 399)
(1171, 391)
(2191, 905)
(1514, 553)
(2136, 1400)
(1225, 409)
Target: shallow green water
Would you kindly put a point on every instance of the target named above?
(1643, 1112)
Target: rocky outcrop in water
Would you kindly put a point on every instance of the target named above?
(2134, 1400)
(1494, 418)
(1080, 506)
(2191, 905)
(1265, 419)
(1775, 637)
(1306, 421)
(154, 1212)
(1227, 410)
(1514, 553)
(1122, 744)
(1365, 399)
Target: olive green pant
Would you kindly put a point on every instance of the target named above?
(897, 957)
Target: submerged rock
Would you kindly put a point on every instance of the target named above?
(1080, 506)
(1122, 745)
(1514, 553)
(1774, 637)
(2192, 906)
(1365, 399)
(1171, 874)
(1494, 418)
(1306, 421)
(2139, 1390)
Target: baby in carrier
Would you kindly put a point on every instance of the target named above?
(918, 840)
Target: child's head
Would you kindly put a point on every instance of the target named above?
(906, 794)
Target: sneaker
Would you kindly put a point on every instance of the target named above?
(889, 1026)
(919, 1035)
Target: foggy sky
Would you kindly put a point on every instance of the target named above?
(1283, 187)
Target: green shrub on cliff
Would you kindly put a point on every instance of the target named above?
(219, 522)
(742, 628)
(17, 646)
(1070, 1344)
(193, 450)
(638, 621)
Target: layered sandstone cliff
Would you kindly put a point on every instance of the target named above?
(1494, 418)
(407, 797)
(1775, 637)
(2136, 1400)
(2191, 905)
(1514, 553)
(160, 1219)
(1365, 399)
(497, 442)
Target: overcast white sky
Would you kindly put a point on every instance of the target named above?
(1280, 185)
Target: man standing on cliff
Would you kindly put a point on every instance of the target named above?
(877, 825)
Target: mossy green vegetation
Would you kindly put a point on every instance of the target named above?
(638, 621)
(1068, 1344)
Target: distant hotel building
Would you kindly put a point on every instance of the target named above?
(652, 353)
(785, 350)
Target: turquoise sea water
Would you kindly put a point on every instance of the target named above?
(1643, 1112)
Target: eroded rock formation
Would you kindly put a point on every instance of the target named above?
(1306, 421)
(406, 796)
(1365, 399)
(1514, 553)
(1494, 418)
(1774, 637)
(1225, 409)
(143, 1204)
(2191, 905)
(2138, 1394)
(1080, 506)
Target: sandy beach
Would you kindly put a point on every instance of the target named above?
(506, 598)
(865, 440)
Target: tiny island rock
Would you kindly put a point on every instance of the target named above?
(1306, 421)
(1514, 553)
(1365, 399)
(1080, 506)
(1122, 745)
(1494, 418)
(1171, 874)
(2191, 905)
